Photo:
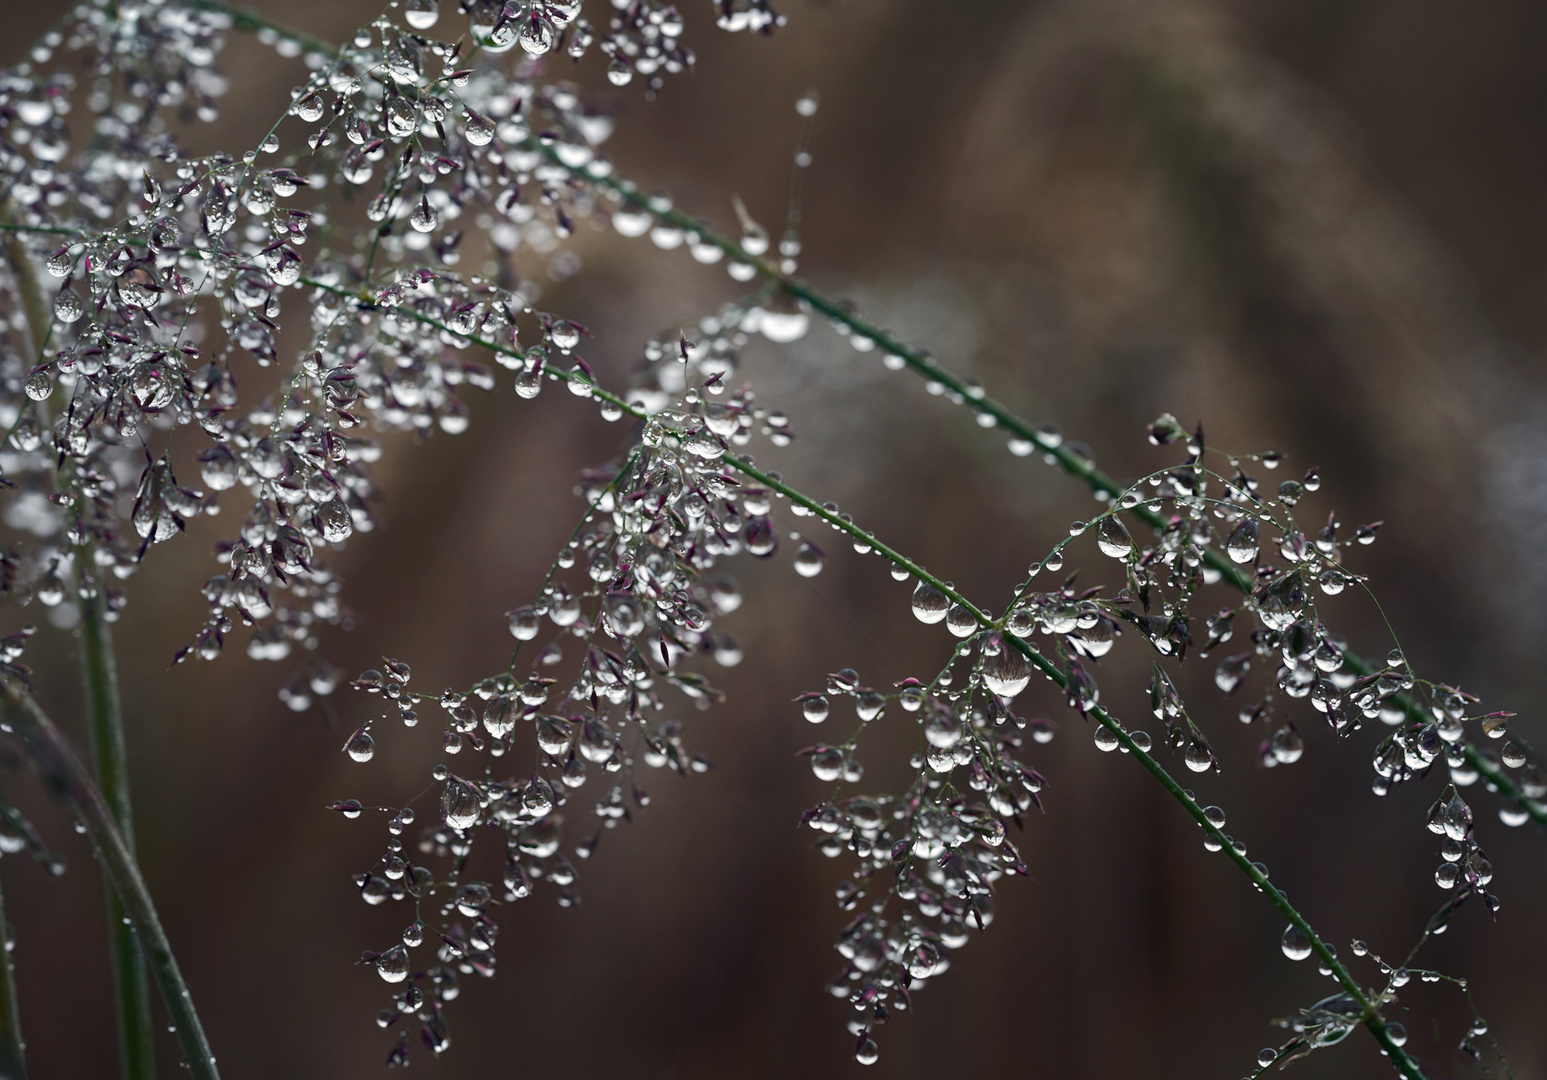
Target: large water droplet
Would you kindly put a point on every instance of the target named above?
(809, 560)
(361, 746)
(392, 965)
(929, 603)
(421, 14)
(1295, 944)
(424, 217)
(68, 306)
(1007, 673)
(1242, 545)
(459, 803)
(1113, 539)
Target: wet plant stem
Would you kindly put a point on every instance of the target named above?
(1369, 1013)
(104, 709)
(65, 776)
(13, 1061)
(105, 712)
(1051, 446)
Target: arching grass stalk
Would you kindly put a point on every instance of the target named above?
(1369, 1013)
(99, 676)
(131, 984)
(66, 777)
(13, 1060)
(1052, 446)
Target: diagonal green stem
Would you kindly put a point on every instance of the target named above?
(100, 676)
(130, 978)
(13, 1061)
(1370, 1016)
(1075, 464)
(65, 776)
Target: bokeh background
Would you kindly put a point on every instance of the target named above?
(1316, 227)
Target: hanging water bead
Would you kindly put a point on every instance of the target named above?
(1287, 746)
(1106, 739)
(67, 306)
(827, 763)
(424, 219)
(809, 560)
(1113, 539)
(867, 1052)
(1198, 756)
(1266, 1057)
(459, 803)
(929, 603)
(361, 746)
(960, 620)
(1006, 673)
(524, 623)
(1295, 944)
(814, 708)
(1243, 545)
(421, 14)
(392, 965)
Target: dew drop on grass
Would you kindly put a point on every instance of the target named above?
(809, 560)
(459, 803)
(1242, 545)
(1295, 944)
(361, 746)
(1006, 673)
(421, 14)
(392, 965)
(929, 603)
(1113, 539)
(67, 306)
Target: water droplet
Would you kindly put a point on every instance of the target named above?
(1242, 545)
(424, 218)
(361, 746)
(1295, 944)
(1512, 755)
(1006, 673)
(866, 1053)
(929, 603)
(1266, 1057)
(814, 709)
(1215, 816)
(459, 803)
(619, 73)
(1287, 746)
(1397, 1032)
(1113, 539)
(38, 384)
(68, 306)
(478, 129)
(392, 965)
(524, 623)
(336, 521)
(809, 560)
(960, 621)
(783, 326)
(1198, 756)
(1106, 740)
(421, 14)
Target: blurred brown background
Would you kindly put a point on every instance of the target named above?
(1317, 227)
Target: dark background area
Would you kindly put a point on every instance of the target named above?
(1313, 227)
